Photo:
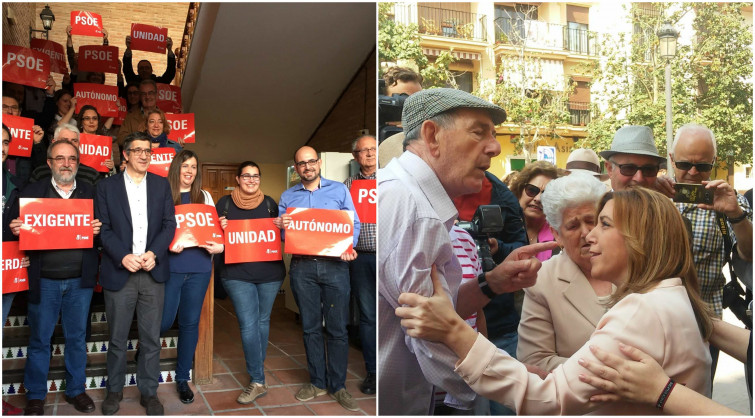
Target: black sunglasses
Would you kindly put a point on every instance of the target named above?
(631, 169)
(532, 190)
(701, 167)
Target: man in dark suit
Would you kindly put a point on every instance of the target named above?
(138, 224)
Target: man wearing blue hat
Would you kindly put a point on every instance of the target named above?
(450, 141)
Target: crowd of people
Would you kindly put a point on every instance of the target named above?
(621, 287)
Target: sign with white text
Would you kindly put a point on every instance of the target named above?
(53, 224)
(148, 38)
(325, 232)
(160, 160)
(104, 98)
(98, 58)
(94, 150)
(181, 126)
(364, 196)
(196, 223)
(22, 136)
(169, 98)
(15, 277)
(25, 66)
(86, 24)
(250, 240)
(53, 50)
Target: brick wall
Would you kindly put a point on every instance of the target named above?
(354, 111)
(18, 32)
(116, 18)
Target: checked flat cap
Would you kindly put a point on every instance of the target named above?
(426, 104)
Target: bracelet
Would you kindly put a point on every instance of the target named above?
(738, 219)
(484, 287)
(665, 394)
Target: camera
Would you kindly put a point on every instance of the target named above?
(487, 220)
(389, 110)
(693, 193)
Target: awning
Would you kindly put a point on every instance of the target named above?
(434, 52)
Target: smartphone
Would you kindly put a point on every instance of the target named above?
(693, 193)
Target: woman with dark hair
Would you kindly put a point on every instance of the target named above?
(252, 286)
(66, 106)
(89, 122)
(528, 186)
(640, 245)
(190, 270)
(158, 129)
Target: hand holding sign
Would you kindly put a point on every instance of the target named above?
(22, 134)
(147, 38)
(86, 23)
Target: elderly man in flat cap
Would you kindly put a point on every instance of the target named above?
(450, 140)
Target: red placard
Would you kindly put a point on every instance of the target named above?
(122, 111)
(148, 38)
(169, 98)
(53, 50)
(98, 58)
(324, 232)
(94, 150)
(22, 136)
(52, 224)
(160, 162)
(197, 223)
(251, 240)
(15, 277)
(102, 97)
(25, 66)
(364, 196)
(181, 125)
(86, 23)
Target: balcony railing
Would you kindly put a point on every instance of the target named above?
(580, 113)
(451, 23)
(182, 54)
(537, 34)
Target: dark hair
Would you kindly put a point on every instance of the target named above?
(245, 164)
(395, 74)
(134, 136)
(5, 128)
(174, 178)
(80, 117)
(530, 171)
(58, 94)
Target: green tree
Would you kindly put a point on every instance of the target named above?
(711, 78)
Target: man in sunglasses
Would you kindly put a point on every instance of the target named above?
(633, 159)
(693, 154)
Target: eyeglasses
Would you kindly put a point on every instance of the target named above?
(140, 151)
(61, 159)
(251, 177)
(631, 169)
(531, 190)
(302, 164)
(134, 93)
(701, 167)
(11, 108)
(365, 150)
(90, 118)
(148, 93)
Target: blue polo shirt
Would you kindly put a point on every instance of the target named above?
(330, 195)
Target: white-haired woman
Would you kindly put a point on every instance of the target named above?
(562, 309)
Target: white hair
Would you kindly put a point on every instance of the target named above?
(570, 191)
(693, 127)
(67, 127)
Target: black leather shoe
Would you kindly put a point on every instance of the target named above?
(82, 402)
(153, 405)
(184, 391)
(35, 407)
(111, 404)
(368, 385)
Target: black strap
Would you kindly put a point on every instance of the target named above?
(722, 226)
(227, 205)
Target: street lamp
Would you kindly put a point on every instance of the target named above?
(47, 18)
(667, 37)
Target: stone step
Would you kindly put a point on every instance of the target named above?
(169, 341)
(96, 376)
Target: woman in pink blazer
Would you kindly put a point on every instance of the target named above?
(639, 244)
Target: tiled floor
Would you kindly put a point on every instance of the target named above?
(285, 369)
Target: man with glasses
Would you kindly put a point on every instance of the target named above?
(85, 173)
(138, 224)
(633, 159)
(321, 284)
(362, 270)
(693, 154)
(134, 120)
(144, 67)
(61, 283)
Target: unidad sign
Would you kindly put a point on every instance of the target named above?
(251, 240)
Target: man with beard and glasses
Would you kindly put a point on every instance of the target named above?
(61, 283)
(84, 174)
(321, 284)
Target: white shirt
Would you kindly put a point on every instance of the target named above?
(64, 194)
(415, 218)
(137, 202)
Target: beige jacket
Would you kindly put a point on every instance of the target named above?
(559, 314)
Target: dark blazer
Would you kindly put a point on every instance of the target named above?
(91, 257)
(113, 210)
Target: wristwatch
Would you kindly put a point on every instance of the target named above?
(484, 287)
(738, 219)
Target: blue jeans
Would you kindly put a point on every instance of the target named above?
(67, 299)
(363, 279)
(321, 290)
(7, 302)
(507, 343)
(184, 295)
(253, 303)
